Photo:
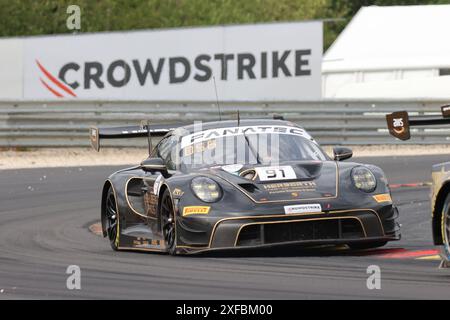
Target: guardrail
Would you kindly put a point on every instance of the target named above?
(331, 122)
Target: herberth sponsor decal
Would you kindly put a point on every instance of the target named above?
(295, 186)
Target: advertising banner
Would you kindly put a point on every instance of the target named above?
(265, 62)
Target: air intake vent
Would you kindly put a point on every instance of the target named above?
(250, 187)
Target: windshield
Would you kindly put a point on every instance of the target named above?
(247, 145)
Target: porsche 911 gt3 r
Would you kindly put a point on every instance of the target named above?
(239, 185)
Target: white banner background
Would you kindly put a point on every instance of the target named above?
(56, 51)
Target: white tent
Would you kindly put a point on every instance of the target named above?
(391, 52)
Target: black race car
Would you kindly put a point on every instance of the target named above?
(242, 184)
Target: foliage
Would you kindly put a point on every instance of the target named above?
(36, 17)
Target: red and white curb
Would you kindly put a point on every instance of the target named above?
(401, 253)
(96, 229)
(410, 185)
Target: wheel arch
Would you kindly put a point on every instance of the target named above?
(437, 213)
(161, 191)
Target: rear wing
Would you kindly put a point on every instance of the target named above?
(142, 131)
(399, 122)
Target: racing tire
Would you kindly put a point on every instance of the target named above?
(445, 229)
(168, 222)
(366, 245)
(112, 219)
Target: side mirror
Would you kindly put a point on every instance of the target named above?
(153, 164)
(342, 153)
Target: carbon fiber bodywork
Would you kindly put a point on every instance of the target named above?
(252, 213)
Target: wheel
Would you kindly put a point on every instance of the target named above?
(366, 245)
(168, 222)
(112, 219)
(445, 229)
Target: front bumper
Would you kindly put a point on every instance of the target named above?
(196, 234)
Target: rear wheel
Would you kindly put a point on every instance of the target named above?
(445, 228)
(168, 222)
(112, 219)
(366, 245)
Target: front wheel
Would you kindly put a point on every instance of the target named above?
(168, 222)
(366, 245)
(112, 219)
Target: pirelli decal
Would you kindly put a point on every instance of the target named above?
(187, 211)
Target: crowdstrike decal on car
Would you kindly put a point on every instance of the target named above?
(303, 208)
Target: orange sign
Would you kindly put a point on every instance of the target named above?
(384, 197)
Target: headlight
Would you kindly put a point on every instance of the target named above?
(206, 189)
(363, 179)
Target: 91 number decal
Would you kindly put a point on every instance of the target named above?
(275, 173)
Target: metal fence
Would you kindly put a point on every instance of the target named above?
(66, 123)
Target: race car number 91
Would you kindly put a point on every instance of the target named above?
(275, 173)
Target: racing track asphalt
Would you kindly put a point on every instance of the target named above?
(44, 219)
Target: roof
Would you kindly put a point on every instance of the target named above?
(394, 37)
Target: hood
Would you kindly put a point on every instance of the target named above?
(303, 180)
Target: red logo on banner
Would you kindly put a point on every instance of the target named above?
(61, 90)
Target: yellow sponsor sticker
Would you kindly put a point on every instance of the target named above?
(199, 147)
(178, 192)
(384, 197)
(195, 210)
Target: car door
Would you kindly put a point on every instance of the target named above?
(155, 178)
